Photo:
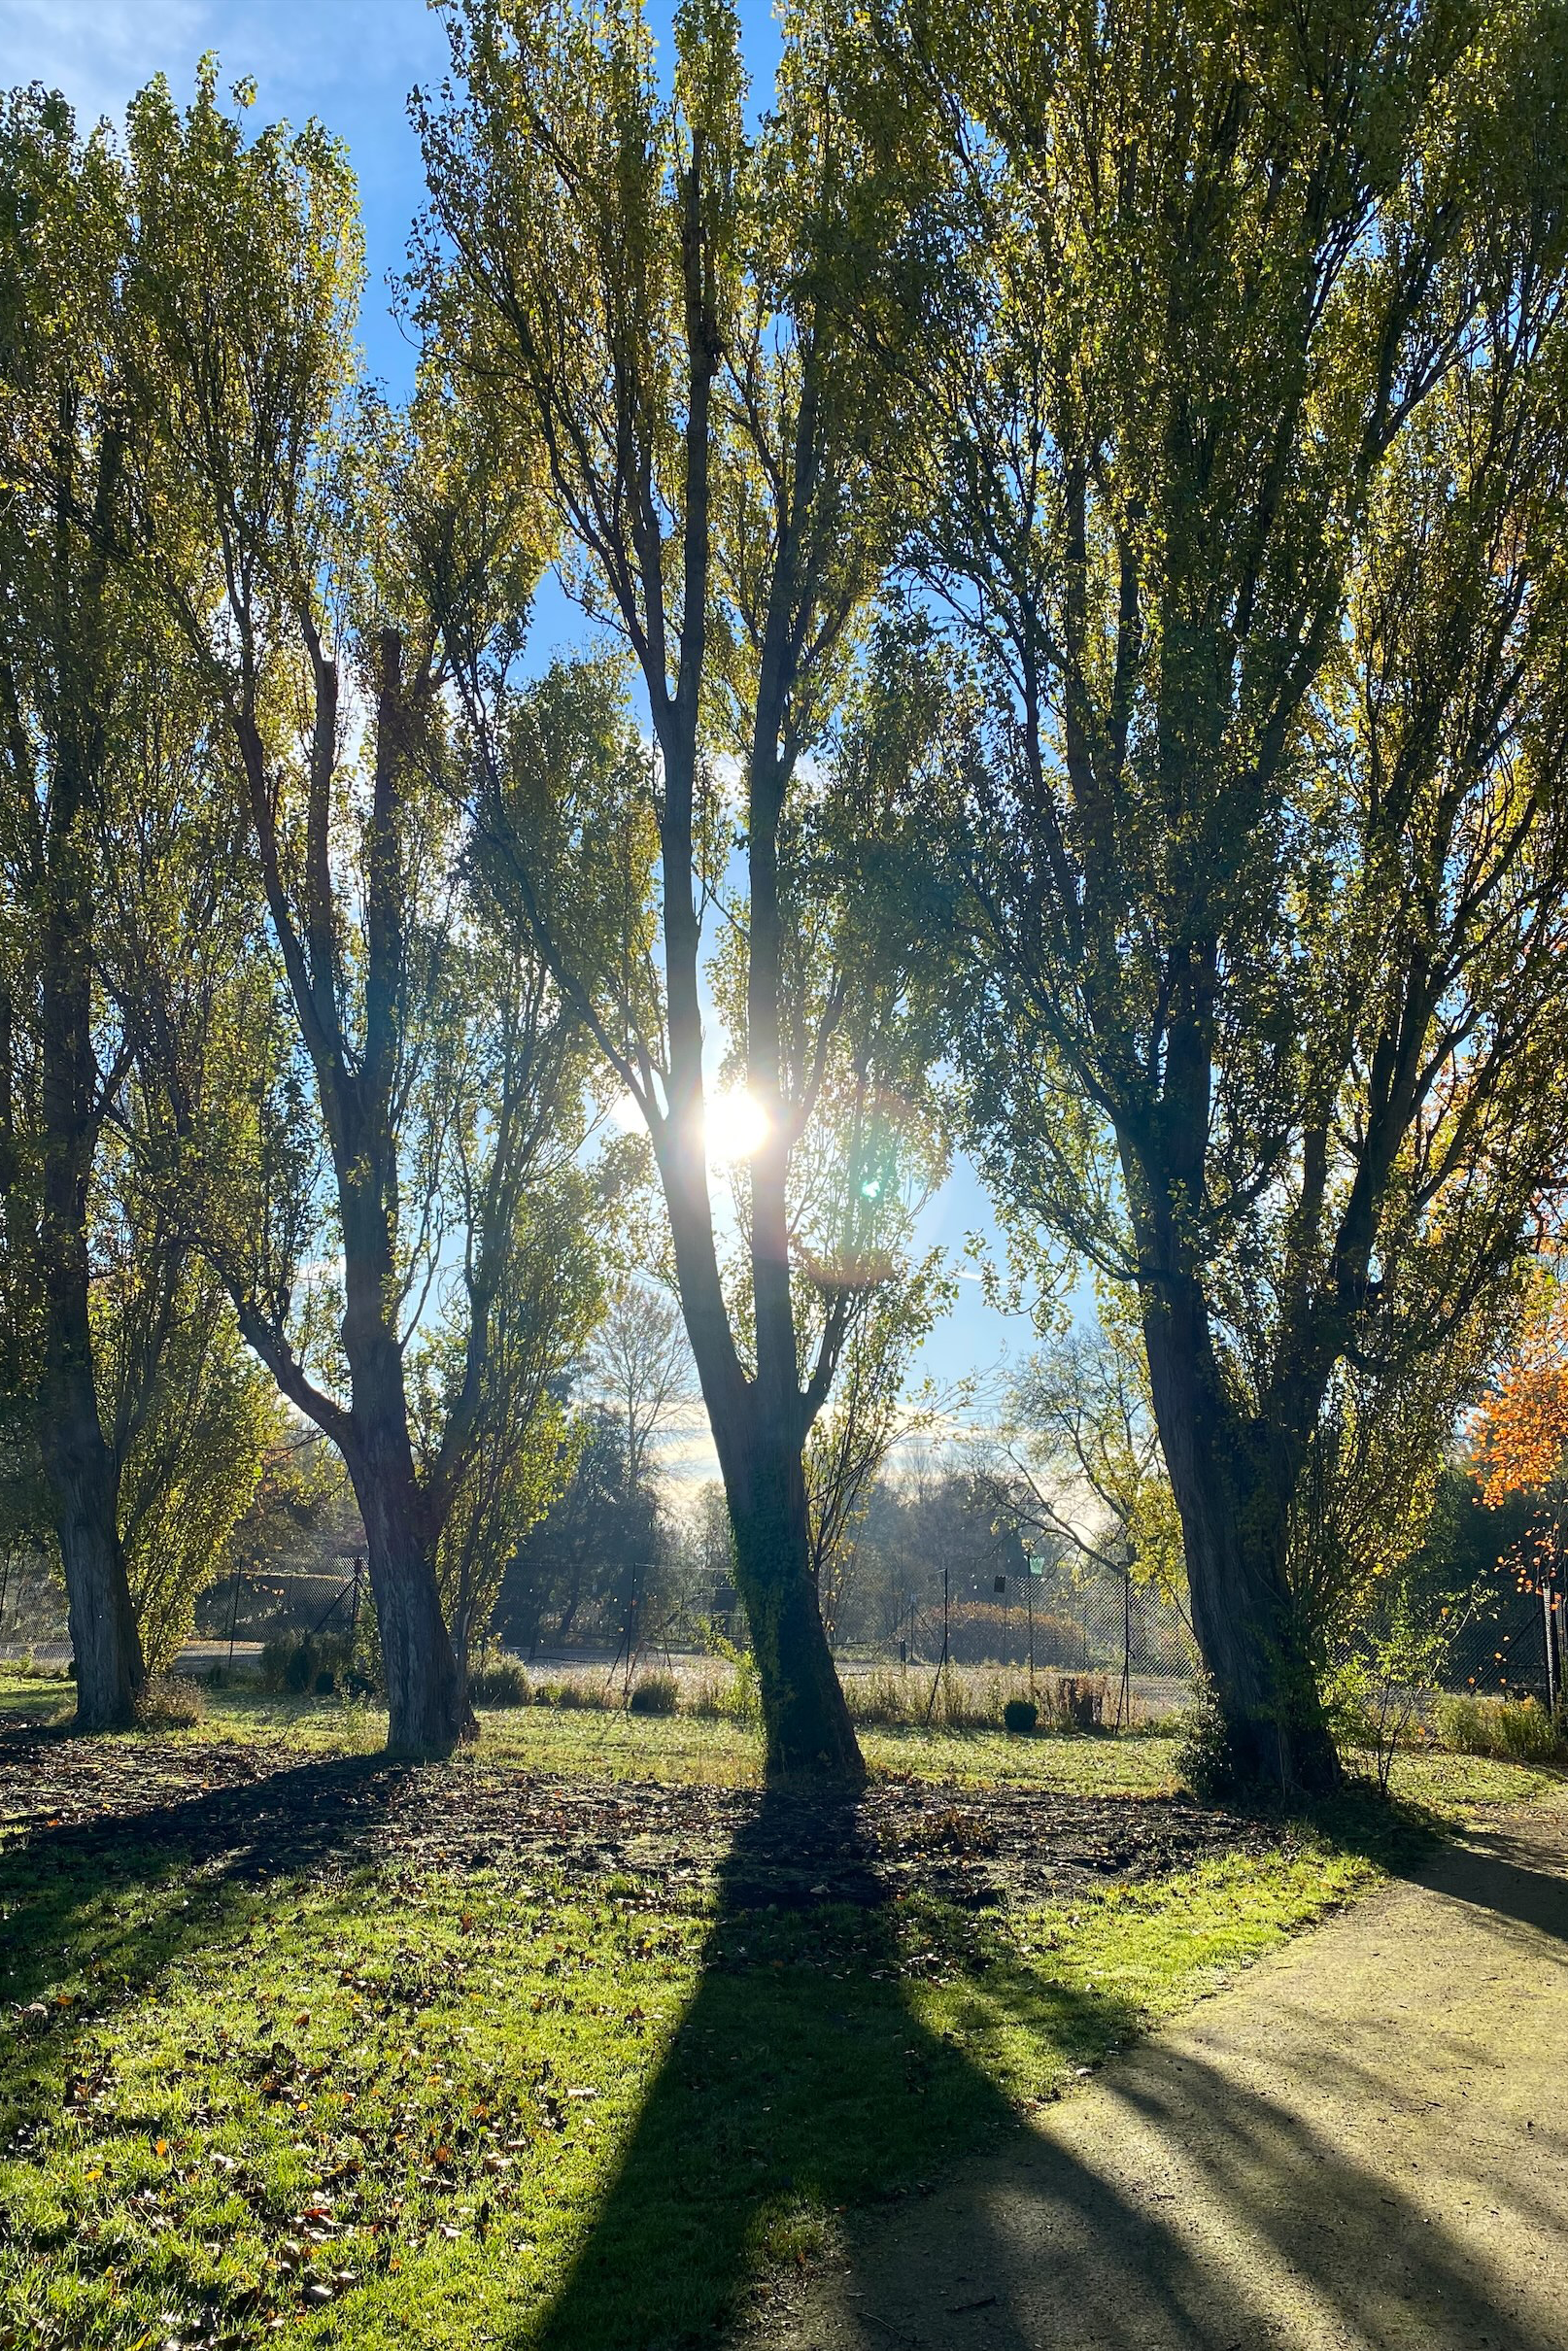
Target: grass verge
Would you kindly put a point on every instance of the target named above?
(452, 2108)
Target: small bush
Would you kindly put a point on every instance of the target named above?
(170, 1702)
(1513, 1730)
(500, 1681)
(654, 1694)
(296, 1664)
(1077, 1703)
(706, 1691)
(1205, 1759)
(1020, 1716)
(288, 1663)
(743, 1699)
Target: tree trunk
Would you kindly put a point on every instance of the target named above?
(806, 1721)
(1233, 1526)
(80, 1468)
(428, 1713)
(109, 1671)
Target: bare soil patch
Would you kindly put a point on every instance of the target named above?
(259, 1811)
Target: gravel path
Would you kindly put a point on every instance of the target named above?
(1363, 2146)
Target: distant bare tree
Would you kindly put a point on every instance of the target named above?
(641, 1367)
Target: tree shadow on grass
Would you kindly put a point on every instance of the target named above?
(799, 2083)
(1276, 2236)
(802, 2083)
(1213, 2193)
(193, 1861)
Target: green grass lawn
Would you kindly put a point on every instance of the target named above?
(428, 2104)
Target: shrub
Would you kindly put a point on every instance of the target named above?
(1204, 1758)
(1513, 1731)
(654, 1694)
(1077, 1703)
(28, 1668)
(743, 1700)
(500, 1681)
(707, 1691)
(1020, 1716)
(295, 1663)
(170, 1702)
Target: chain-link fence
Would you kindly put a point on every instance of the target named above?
(1107, 1625)
(1510, 1648)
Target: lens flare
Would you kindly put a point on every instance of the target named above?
(736, 1126)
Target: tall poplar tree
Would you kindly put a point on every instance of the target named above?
(72, 723)
(1237, 342)
(643, 302)
(373, 1130)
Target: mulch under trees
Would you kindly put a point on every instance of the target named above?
(258, 1811)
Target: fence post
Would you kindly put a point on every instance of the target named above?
(942, 1661)
(1550, 1640)
(233, 1615)
(1124, 1696)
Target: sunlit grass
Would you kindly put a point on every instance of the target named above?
(343, 2106)
(391, 2111)
(606, 1742)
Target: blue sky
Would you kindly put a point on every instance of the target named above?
(353, 62)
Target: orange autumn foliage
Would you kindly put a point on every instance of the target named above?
(1521, 1432)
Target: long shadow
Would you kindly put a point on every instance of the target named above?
(798, 2084)
(1493, 1869)
(193, 1859)
(1278, 2230)
(800, 2081)
(1310, 2246)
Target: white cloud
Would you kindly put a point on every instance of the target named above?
(99, 52)
(306, 57)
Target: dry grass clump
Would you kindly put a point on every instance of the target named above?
(1513, 1730)
(975, 1697)
(170, 1702)
(966, 1697)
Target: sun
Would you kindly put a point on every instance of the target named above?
(736, 1126)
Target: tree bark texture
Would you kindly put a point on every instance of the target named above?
(806, 1721)
(428, 1713)
(109, 1671)
(1234, 1517)
(78, 1462)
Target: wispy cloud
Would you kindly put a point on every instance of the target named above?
(99, 52)
(306, 57)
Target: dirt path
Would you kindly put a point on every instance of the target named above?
(1361, 2147)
